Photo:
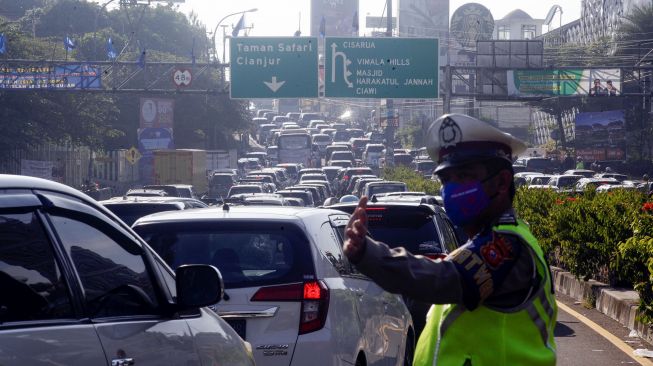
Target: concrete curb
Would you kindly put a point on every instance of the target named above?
(619, 304)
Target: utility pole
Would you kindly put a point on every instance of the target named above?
(389, 104)
(446, 97)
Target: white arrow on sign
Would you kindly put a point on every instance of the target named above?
(274, 85)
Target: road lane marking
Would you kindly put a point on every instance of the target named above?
(625, 348)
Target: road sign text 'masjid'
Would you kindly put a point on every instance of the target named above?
(381, 67)
(273, 67)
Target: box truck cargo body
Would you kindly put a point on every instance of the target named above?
(182, 166)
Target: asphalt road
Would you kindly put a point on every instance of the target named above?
(580, 345)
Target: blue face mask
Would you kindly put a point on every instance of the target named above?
(464, 202)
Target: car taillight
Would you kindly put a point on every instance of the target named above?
(314, 296)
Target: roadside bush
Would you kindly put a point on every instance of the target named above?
(605, 236)
(413, 180)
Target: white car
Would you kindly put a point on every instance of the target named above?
(289, 290)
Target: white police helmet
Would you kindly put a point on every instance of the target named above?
(458, 139)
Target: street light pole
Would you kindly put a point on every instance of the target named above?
(224, 42)
(220, 22)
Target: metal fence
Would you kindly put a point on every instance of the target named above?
(65, 164)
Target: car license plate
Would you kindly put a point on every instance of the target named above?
(239, 325)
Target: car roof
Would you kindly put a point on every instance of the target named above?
(242, 213)
(389, 204)
(170, 185)
(387, 182)
(154, 200)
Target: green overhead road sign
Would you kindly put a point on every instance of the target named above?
(279, 67)
(381, 68)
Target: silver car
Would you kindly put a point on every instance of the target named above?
(289, 289)
(81, 288)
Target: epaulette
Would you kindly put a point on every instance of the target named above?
(508, 218)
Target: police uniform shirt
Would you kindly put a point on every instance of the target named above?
(493, 269)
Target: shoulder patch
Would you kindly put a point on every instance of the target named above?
(484, 263)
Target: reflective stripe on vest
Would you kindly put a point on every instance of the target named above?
(523, 335)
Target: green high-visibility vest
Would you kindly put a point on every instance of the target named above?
(486, 336)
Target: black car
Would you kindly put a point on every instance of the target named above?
(130, 209)
(421, 229)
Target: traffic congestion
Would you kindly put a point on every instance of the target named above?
(262, 248)
(326, 182)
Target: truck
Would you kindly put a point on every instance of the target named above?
(181, 166)
(221, 159)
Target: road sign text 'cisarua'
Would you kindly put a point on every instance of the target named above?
(274, 67)
(381, 67)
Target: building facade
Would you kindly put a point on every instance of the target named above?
(517, 25)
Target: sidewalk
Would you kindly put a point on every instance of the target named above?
(619, 304)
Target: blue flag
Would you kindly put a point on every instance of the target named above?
(111, 53)
(323, 27)
(3, 44)
(141, 59)
(68, 43)
(239, 26)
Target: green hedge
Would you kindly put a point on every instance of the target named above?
(413, 180)
(605, 236)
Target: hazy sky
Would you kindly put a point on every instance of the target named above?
(281, 17)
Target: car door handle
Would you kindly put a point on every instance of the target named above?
(122, 362)
(266, 313)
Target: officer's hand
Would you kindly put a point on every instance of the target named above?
(355, 232)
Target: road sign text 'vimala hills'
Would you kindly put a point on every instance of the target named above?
(273, 67)
(381, 67)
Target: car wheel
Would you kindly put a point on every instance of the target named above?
(409, 351)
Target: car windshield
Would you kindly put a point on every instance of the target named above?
(410, 228)
(375, 149)
(426, 165)
(247, 254)
(241, 190)
(321, 138)
(222, 179)
(385, 188)
(131, 212)
(567, 181)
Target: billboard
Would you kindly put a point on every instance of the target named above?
(600, 136)
(569, 82)
(155, 133)
(338, 17)
(156, 112)
(73, 76)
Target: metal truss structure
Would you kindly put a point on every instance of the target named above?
(111, 77)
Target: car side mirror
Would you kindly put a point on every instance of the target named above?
(198, 285)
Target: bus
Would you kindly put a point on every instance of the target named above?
(294, 148)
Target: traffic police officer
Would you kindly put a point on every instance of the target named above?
(493, 296)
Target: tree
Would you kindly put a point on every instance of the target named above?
(14, 9)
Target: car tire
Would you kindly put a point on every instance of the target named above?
(409, 350)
